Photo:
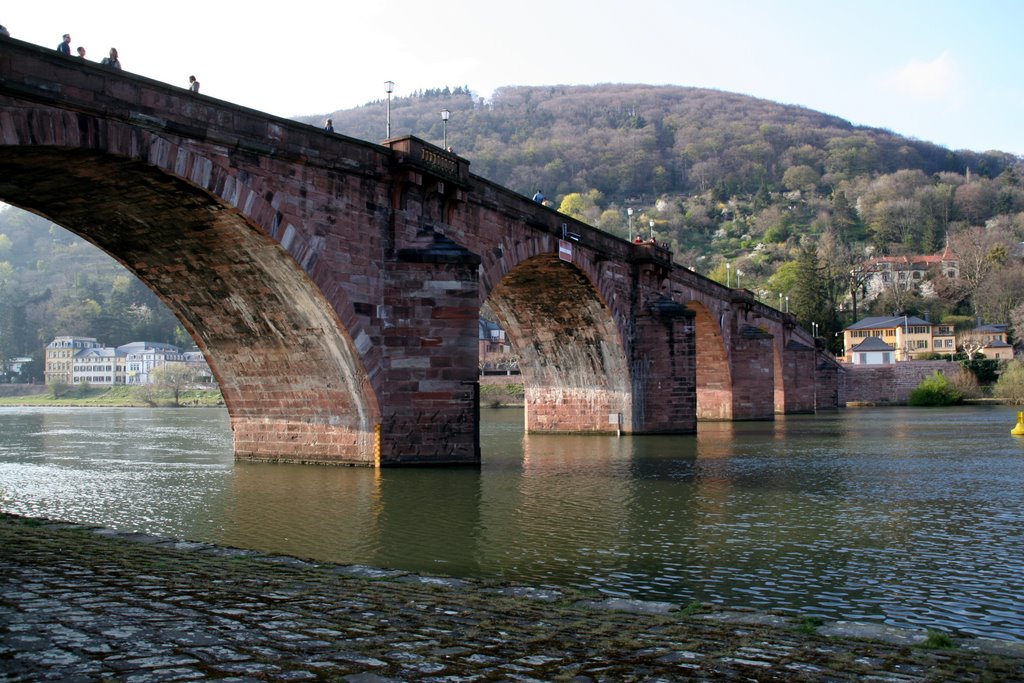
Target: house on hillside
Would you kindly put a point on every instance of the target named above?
(993, 340)
(907, 272)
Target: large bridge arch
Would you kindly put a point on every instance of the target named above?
(575, 368)
(242, 297)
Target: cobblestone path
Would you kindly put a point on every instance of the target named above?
(80, 604)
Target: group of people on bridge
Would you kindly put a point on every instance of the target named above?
(112, 60)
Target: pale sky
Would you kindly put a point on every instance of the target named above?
(949, 72)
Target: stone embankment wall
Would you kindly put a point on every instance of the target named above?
(21, 389)
(887, 383)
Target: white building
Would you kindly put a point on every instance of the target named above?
(83, 360)
(141, 358)
(98, 365)
(871, 351)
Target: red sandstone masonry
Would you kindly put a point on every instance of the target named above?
(334, 284)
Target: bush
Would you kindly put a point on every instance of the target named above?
(966, 383)
(1010, 385)
(985, 369)
(936, 390)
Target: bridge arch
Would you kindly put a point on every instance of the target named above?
(714, 375)
(574, 364)
(247, 303)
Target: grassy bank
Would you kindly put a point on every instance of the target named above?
(503, 395)
(116, 397)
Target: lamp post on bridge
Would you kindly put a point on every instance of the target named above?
(389, 87)
(728, 274)
(629, 212)
(445, 114)
(651, 223)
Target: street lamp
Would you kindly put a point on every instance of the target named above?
(787, 303)
(738, 273)
(629, 212)
(389, 87)
(728, 274)
(814, 326)
(445, 114)
(651, 223)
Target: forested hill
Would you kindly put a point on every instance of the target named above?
(641, 141)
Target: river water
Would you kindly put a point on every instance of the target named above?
(909, 517)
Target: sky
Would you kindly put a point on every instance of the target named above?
(948, 72)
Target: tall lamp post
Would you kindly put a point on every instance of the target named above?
(629, 212)
(445, 114)
(728, 274)
(389, 87)
(651, 224)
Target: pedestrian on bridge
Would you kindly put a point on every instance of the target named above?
(81, 53)
(112, 60)
(329, 125)
(4, 33)
(65, 46)
(193, 84)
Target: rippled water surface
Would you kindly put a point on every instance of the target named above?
(910, 517)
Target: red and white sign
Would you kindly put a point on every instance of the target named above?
(565, 250)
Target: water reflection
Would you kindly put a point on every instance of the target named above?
(902, 516)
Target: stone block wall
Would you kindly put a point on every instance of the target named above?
(891, 383)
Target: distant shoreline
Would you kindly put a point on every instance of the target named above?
(106, 397)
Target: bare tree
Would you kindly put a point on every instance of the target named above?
(980, 251)
(174, 378)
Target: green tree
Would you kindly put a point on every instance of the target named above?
(572, 205)
(1010, 385)
(801, 178)
(784, 280)
(936, 390)
(809, 300)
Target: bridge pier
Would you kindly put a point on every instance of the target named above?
(796, 393)
(665, 370)
(753, 377)
(430, 329)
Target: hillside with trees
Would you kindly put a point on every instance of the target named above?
(778, 199)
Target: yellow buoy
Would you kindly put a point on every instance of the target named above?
(1019, 429)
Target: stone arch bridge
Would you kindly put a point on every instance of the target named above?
(335, 285)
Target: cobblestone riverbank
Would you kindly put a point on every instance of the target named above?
(88, 604)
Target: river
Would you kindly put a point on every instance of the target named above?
(908, 517)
